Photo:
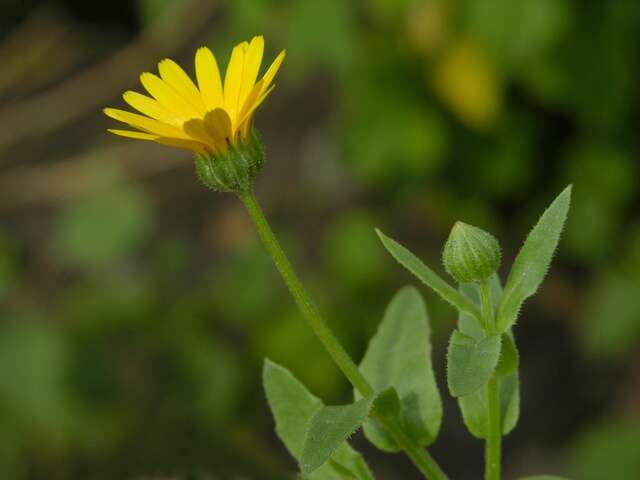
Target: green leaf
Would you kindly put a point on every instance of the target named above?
(474, 406)
(399, 356)
(388, 403)
(345, 464)
(328, 429)
(293, 407)
(532, 262)
(470, 363)
(428, 276)
(509, 356)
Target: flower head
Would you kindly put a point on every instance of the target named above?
(207, 118)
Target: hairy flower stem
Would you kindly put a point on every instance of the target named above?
(419, 456)
(494, 431)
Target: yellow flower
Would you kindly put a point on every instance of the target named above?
(206, 118)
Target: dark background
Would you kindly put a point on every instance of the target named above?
(136, 307)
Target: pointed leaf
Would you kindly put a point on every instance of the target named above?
(329, 428)
(470, 363)
(532, 262)
(388, 403)
(509, 356)
(428, 276)
(474, 406)
(293, 407)
(399, 356)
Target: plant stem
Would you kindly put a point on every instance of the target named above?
(492, 446)
(494, 431)
(486, 309)
(419, 456)
(308, 308)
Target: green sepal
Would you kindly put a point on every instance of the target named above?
(235, 169)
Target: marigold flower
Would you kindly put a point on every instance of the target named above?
(207, 118)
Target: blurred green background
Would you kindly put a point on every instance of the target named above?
(136, 307)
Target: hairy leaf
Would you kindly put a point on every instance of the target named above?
(293, 407)
(470, 363)
(388, 402)
(474, 406)
(328, 429)
(428, 276)
(509, 356)
(532, 262)
(399, 356)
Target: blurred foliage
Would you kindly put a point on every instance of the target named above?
(135, 315)
(608, 449)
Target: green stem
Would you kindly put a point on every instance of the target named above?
(492, 446)
(308, 308)
(494, 433)
(486, 309)
(419, 456)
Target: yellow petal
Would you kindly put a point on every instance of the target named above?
(144, 123)
(197, 130)
(218, 124)
(249, 112)
(182, 144)
(172, 142)
(132, 134)
(177, 78)
(233, 80)
(167, 96)
(246, 127)
(209, 81)
(272, 70)
(252, 61)
(251, 99)
(151, 108)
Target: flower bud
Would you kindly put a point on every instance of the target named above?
(470, 254)
(234, 169)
